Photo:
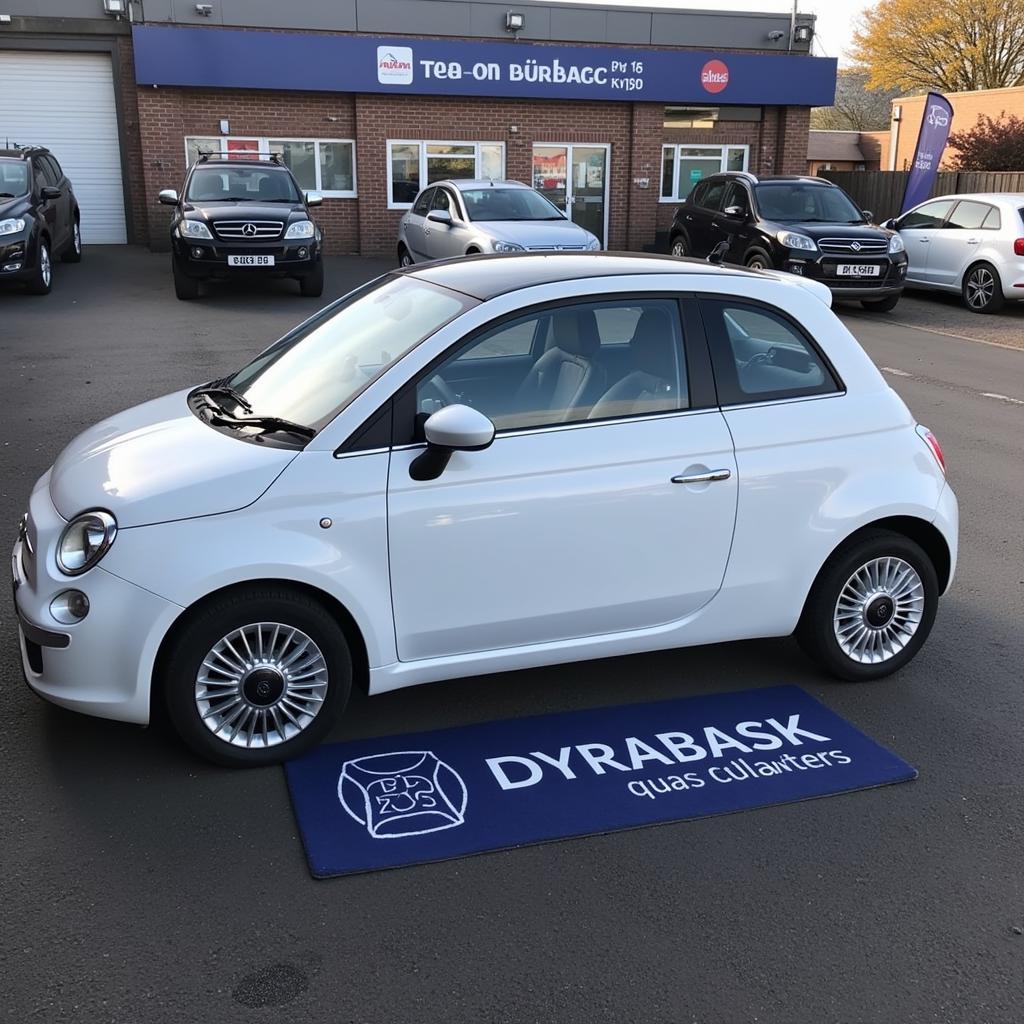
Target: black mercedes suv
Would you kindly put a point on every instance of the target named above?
(243, 216)
(800, 224)
(39, 217)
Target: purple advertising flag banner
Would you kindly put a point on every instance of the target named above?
(931, 141)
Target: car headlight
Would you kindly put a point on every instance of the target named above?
(12, 225)
(792, 240)
(594, 244)
(896, 244)
(194, 229)
(300, 229)
(509, 247)
(85, 540)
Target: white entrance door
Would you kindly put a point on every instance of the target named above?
(65, 102)
(575, 179)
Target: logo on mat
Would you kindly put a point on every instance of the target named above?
(394, 65)
(714, 76)
(405, 793)
(248, 230)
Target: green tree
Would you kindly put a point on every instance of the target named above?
(857, 108)
(949, 45)
(991, 145)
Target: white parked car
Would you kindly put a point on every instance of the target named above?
(971, 244)
(466, 217)
(481, 465)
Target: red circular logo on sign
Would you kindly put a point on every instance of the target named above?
(714, 76)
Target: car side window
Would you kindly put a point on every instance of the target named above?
(568, 381)
(992, 222)
(54, 168)
(926, 217)
(422, 204)
(442, 200)
(760, 355)
(968, 215)
(712, 198)
(697, 195)
(736, 195)
(43, 174)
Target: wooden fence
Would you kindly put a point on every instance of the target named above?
(881, 192)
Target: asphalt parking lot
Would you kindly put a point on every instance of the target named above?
(139, 884)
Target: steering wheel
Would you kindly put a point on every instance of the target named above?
(441, 390)
(758, 358)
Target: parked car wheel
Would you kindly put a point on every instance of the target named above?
(759, 261)
(404, 257)
(257, 676)
(42, 280)
(885, 305)
(982, 290)
(871, 607)
(185, 287)
(73, 253)
(679, 246)
(312, 285)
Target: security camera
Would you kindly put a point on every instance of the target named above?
(204, 9)
(776, 34)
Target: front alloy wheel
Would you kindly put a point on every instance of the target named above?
(679, 248)
(982, 289)
(41, 282)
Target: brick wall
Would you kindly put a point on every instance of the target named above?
(168, 115)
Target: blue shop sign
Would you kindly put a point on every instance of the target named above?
(225, 58)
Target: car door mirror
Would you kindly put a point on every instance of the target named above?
(314, 198)
(735, 212)
(440, 217)
(455, 428)
(168, 197)
(890, 224)
(49, 192)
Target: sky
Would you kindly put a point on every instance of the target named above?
(836, 18)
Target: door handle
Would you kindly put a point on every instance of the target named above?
(708, 476)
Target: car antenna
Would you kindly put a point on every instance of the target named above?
(718, 253)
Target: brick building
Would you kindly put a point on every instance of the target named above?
(612, 112)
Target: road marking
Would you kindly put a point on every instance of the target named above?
(1002, 398)
(895, 372)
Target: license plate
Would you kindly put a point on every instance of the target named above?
(858, 269)
(250, 261)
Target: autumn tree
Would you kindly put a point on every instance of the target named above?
(857, 108)
(948, 45)
(991, 145)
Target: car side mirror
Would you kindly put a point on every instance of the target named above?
(868, 215)
(440, 217)
(890, 224)
(168, 197)
(49, 192)
(736, 212)
(314, 198)
(455, 428)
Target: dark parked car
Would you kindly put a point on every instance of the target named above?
(243, 217)
(39, 218)
(799, 224)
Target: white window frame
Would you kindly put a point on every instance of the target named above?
(264, 154)
(675, 147)
(423, 143)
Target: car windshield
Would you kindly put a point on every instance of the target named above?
(13, 178)
(790, 201)
(316, 370)
(242, 184)
(508, 204)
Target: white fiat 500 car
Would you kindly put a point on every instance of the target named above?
(482, 465)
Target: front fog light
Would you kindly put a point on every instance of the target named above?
(197, 253)
(303, 253)
(69, 607)
(85, 540)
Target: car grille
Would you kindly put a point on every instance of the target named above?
(853, 247)
(556, 248)
(248, 230)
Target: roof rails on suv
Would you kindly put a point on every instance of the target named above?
(220, 154)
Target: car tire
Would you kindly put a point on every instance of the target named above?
(282, 664)
(73, 253)
(311, 286)
(41, 280)
(185, 287)
(982, 291)
(886, 305)
(404, 257)
(679, 247)
(758, 261)
(871, 608)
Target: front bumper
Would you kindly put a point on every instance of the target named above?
(203, 259)
(102, 665)
(17, 258)
(889, 281)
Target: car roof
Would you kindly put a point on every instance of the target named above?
(464, 183)
(983, 197)
(487, 276)
(21, 153)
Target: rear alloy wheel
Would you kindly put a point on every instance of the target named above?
(679, 247)
(42, 280)
(982, 289)
(885, 305)
(73, 253)
(257, 677)
(758, 262)
(871, 608)
(312, 285)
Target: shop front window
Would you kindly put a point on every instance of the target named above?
(414, 165)
(683, 166)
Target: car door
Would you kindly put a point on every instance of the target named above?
(707, 208)
(955, 245)
(65, 204)
(445, 240)
(583, 517)
(415, 220)
(49, 209)
(917, 228)
(736, 230)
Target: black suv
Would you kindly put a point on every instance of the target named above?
(801, 224)
(243, 216)
(39, 217)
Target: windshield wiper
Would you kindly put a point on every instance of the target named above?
(270, 423)
(221, 387)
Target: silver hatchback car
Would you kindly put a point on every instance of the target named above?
(463, 217)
